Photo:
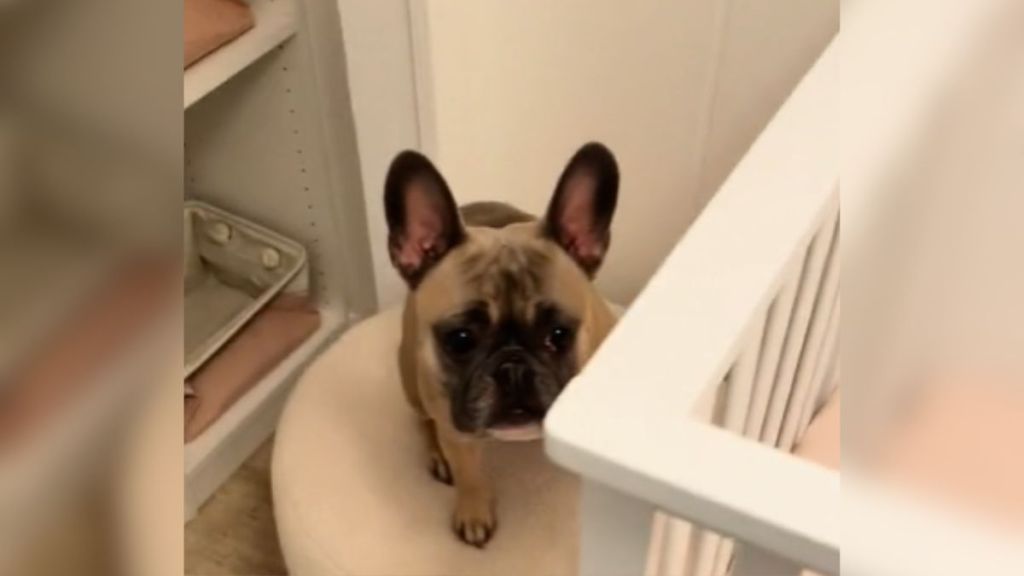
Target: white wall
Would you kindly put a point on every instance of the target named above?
(378, 50)
(504, 92)
(766, 48)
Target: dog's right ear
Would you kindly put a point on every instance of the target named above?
(423, 219)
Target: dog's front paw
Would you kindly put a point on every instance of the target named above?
(474, 521)
(440, 469)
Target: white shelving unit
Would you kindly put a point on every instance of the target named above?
(276, 21)
(275, 143)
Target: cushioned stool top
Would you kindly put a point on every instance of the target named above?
(352, 494)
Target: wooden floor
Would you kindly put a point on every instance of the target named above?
(234, 532)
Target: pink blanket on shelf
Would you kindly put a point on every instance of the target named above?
(210, 24)
(263, 343)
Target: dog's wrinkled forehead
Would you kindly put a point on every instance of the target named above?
(509, 275)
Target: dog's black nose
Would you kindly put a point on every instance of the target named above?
(518, 400)
(513, 376)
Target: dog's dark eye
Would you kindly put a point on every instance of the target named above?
(559, 339)
(459, 342)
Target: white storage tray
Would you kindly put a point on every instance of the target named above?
(233, 267)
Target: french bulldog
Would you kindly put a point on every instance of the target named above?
(500, 315)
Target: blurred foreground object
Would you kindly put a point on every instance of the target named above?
(933, 416)
(90, 267)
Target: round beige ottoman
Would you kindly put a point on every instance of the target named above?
(352, 494)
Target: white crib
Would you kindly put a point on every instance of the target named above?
(720, 361)
(682, 425)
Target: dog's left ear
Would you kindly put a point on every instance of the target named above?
(579, 217)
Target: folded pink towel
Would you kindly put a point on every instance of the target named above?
(210, 24)
(263, 343)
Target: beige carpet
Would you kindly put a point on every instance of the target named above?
(234, 533)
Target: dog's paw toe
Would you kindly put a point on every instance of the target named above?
(439, 469)
(474, 525)
(475, 534)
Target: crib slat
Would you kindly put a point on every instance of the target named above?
(834, 371)
(741, 380)
(656, 552)
(675, 542)
(809, 287)
(822, 368)
(703, 553)
(776, 325)
(725, 553)
(832, 376)
(740, 387)
(813, 343)
(704, 543)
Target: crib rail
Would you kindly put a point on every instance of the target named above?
(713, 374)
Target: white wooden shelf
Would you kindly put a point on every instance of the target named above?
(212, 457)
(276, 21)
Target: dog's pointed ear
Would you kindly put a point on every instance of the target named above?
(423, 220)
(579, 217)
